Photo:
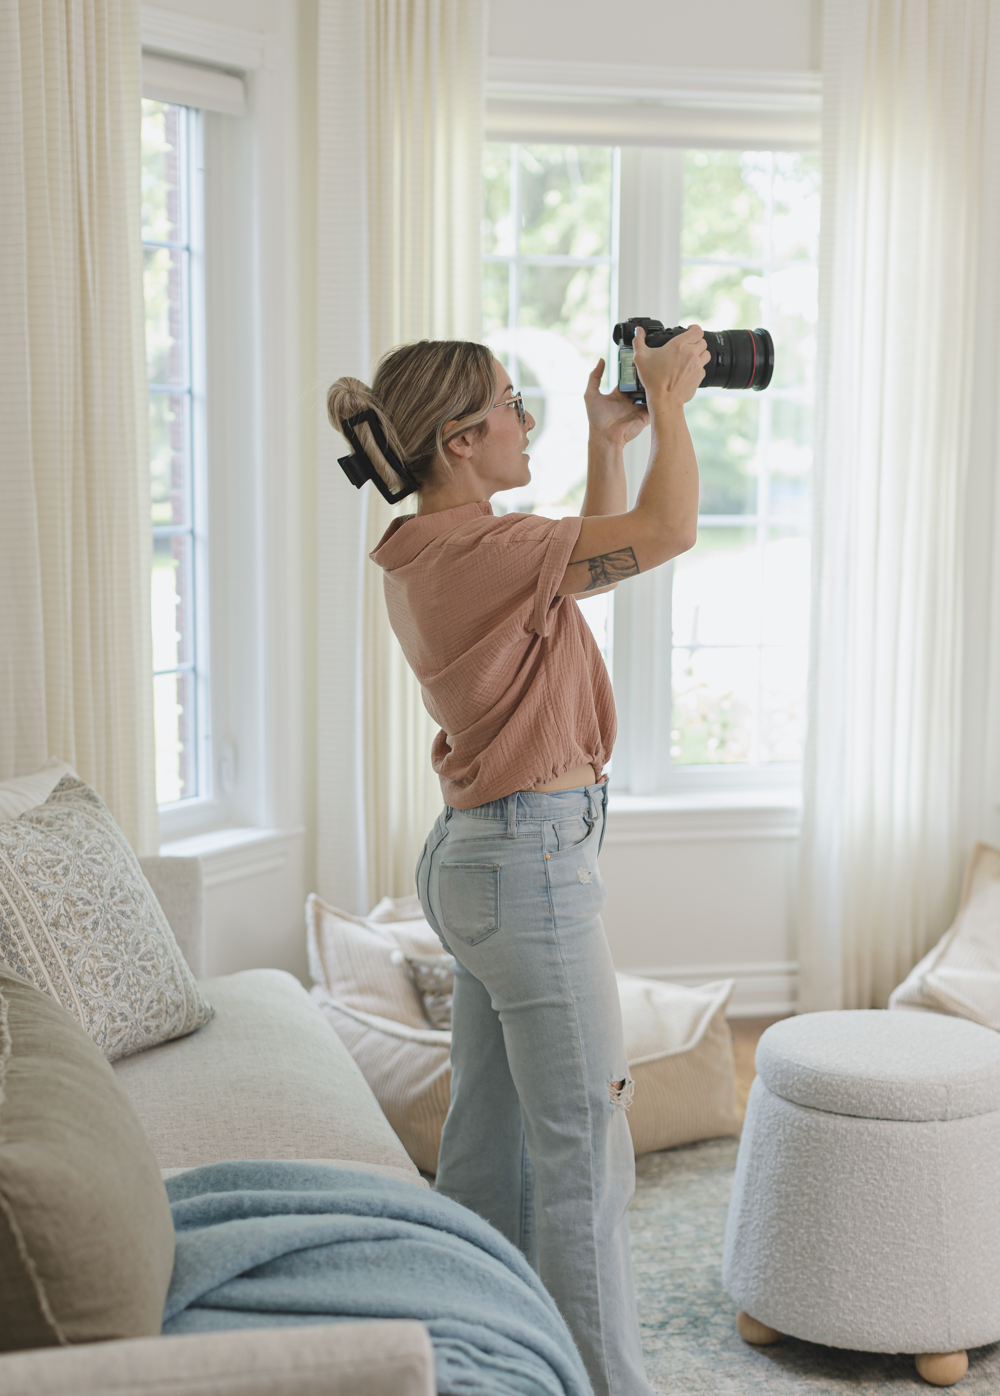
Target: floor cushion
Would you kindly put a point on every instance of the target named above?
(368, 987)
(961, 975)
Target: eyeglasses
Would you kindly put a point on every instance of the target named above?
(518, 407)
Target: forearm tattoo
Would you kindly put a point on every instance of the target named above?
(609, 568)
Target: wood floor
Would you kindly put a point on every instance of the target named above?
(746, 1034)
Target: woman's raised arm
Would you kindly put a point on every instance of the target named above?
(664, 520)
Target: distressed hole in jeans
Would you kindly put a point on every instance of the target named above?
(620, 1092)
(585, 875)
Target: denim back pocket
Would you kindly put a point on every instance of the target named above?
(469, 895)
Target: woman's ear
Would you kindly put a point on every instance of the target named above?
(460, 445)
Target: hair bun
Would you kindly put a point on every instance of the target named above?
(345, 399)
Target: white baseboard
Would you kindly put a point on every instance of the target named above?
(763, 989)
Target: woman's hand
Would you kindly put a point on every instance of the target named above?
(613, 417)
(676, 368)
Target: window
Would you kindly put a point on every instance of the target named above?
(550, 283)
(171, 217)
(721, 688)
(740, 604)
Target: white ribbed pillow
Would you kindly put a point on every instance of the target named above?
(22, 793)
(351, 957)
(961, 975)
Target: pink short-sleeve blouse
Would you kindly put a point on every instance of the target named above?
(509, 670)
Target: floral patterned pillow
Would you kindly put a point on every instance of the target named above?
(79, 920)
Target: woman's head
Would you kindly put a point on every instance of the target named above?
(434, 400)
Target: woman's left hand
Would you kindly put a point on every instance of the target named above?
(612, 416)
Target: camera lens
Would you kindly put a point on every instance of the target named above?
(740, 359)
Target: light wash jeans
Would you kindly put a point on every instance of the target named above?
(536, 1139)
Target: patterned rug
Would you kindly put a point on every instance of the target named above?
(689, 1339)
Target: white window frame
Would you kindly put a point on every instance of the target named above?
(244, 83)
(198, 448)
(653, 115)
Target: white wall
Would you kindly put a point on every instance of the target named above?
(773, 35)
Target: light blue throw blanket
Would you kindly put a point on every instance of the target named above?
(267, 1243)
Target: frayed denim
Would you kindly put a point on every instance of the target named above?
(536, 1139)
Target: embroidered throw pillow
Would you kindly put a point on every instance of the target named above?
(79, 920)
(434, 979)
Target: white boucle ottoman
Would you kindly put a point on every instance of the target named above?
(866, 1205)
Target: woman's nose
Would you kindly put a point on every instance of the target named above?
(529, 422)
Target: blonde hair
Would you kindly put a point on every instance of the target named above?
(418, 389)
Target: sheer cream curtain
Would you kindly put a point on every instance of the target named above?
(911, 153)
(75, 659)
(425, 69)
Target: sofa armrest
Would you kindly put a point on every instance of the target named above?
(376, 1358)
(176, 883)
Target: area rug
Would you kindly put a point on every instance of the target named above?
(689, 1339)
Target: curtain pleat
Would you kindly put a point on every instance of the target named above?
(76, 662)
(425, 109)
(911, 149)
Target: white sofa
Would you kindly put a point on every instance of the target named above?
(266, 1078)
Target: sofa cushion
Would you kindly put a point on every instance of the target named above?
(265, 1079)
(79, 921)
(391, 1357)
(86, 1235)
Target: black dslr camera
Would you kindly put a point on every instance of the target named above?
(740, 358)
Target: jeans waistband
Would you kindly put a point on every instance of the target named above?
(540, 806)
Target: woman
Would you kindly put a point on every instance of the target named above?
(536, 1139)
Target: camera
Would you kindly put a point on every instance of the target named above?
(740, 358)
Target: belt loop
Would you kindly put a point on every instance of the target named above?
(512, 816)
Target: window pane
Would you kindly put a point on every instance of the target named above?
(164, 206)
(724, 205)
(169, 457)
(566, 200)
(721, 298)
(498, 225)
(172, 602)
(783, 703)
(786, 582)
(717, 590)
(715, 694)
(789, 458)
(165, 295)
(794, 310)
(724, 429)
(795, 220)
(174, 721)
(496, 295)
(574, 302)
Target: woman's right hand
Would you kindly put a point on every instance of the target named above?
(676, 368)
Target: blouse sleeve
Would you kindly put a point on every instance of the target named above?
(561, 540)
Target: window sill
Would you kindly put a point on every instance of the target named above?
(700, 801)
(230, 855)
(711, 816)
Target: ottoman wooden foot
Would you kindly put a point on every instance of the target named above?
(760, 1335)
(942, 1368)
